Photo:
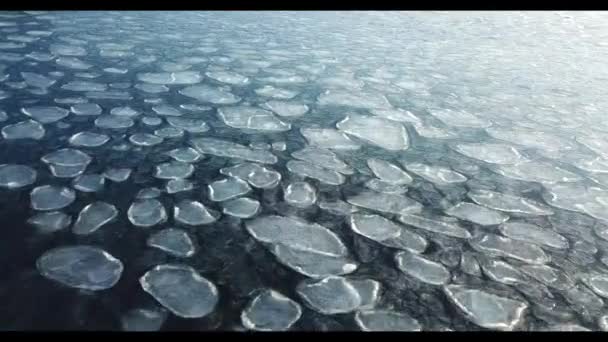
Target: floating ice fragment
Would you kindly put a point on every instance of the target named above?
(245, 117)
(224, 148)
(181, 290)
(241, 207)
(374, 227)
(330, 295)
(229, 77)
(94, 216)
(51, 221)
(188, 124)
(300, 194)
(460, 118)
(305, 169)
(28, 129)
(271, 311)
(146, 213)
(324, 158)
(184, 155)
(335, 97)
(490, 153)
(89, 183)
(388, 172)
(485, 309)
(88, 139)
(114, 122)
(36, 80)
(145, 139)
(328, 138)
(277, 93)
(383, 133)
(227, 188)
(50, 197)
(477, 214)
(143, 320)
(178, 185)
(425, 270)
(502, 272)
(388, 203)
(508, 203)
(192, 213)
(117, 174)
(86, 109)
(435, 174)
(45, 114)
(82, 267)
(441, 225)
(497, 245)
(148, 193)
(533, 234)
(173, 170)
(166, 110)
(205, 93)
(287, 109)
(174, 241)
(535, 171)
(179, 77)
(313, 264)
(124, 111)
(14, 176)
(385, 320)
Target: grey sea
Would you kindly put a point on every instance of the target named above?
(304, 171)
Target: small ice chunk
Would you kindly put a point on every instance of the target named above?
(117, 174)
(174, 241)
(67, 157)
(151, 120)
(145, 139)
(436, 174)
(313, 264)
(148, 193)
(188, 124)
(502, 272)
(423, 269)
(88, 139)
(229, 149)
(178, 185)
(383, 133)
(45, 114)
(229, 77)
(324, 158)
(328, 138)
(143, 320)
(508, 203)
(174, 170)
(245, 117)
(385, 320)
(51, 197)
(374, 227)
(497, 245)
(51, 221)
(86, 109)
(441, 225)
(287, 109)
(388, 172)
(184, 155)
(89, 182)
(28, 129)
(330, 295)
(227, 188)
(166, 110)
(490, 153)
(271, 311)
(205, 93)
(192, 213)
(256, 175)
(535, 171)
(241, 207)
(485, 309)
(388, 203)
(83, 267)
(533, 234)
(306, 169)
(14, 176)
(300, 194)
(36, 80)
(114, 122)
(94, 216)
(477, 214)
(460, 118)
(181, 290)
(147, 213)
(276, 93)
(124, 111)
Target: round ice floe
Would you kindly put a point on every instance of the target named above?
(388, 203)
(82, 267)
(328, 138)
(188, 124)
(436, 174)
(143, 320)
(147, 213)
(114, 122)
(67, 157)
(169, 132)
(297, 234)
(535, 171)
(174, 241)
(205, 93)
(166, 110)
(151, 120)
(387, 188)
(442, 225)
(385, 320)
(94, 216)
(533, 234)
(181, 290)
(486, 309)
(300, 194)
(241, 207)
(86, 109)
(330, 295)
(490, 153)
(380, 132)
(306, 169)
(124, 111)
(45, 114)
(374, 227)
(28, 129)
(88, 139)
(36, 80)
(460, 118)
(148, 193)
(179, 77)
(388, 172)
(48, 222)
(271, 311)
(145, 139)
(89, 183)
(425, 270)
(192, 213)
(184, 155)
(508, 203)
(229, 77)
(173, 170)
(229, 149)
(152, 88)
(117, 174)
(13, 176)
(245, 117)
(277, 93)
(477, 214)
(178, 185)
(228, 188)
(324, 158)
(496, 245)
(313, 264)
(287, 109)
(50, 197)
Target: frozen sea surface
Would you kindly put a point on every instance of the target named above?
(303, 171)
